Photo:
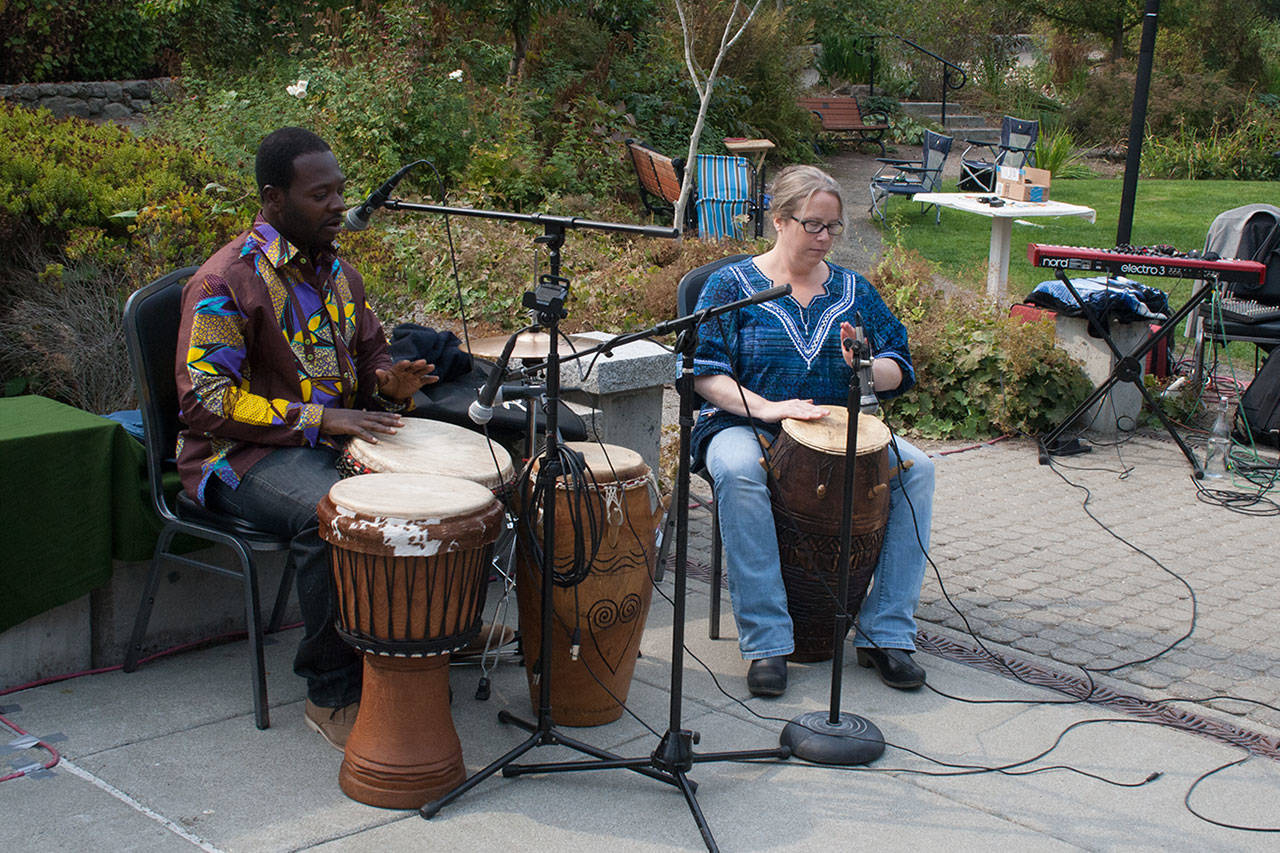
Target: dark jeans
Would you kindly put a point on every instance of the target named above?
(280, 494)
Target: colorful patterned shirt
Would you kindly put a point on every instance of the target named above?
(782, 351)
(269, 338)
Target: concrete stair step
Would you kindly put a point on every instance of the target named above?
(960, 124)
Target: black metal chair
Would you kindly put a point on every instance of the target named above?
(1016, 148)
(910, 177)
(151, 319)
(687, 292)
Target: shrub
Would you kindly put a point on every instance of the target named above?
(1177, 99)
(48, 40)
(73, 186)
(87, 213)
(1240, 150)
(977, 372)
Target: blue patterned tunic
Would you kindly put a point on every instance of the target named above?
(782, 351)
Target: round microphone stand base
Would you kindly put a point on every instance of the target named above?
(852, 740)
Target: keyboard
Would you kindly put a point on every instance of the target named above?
(1089, 260)
(1236, 310)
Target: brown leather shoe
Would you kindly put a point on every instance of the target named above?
(332, 724)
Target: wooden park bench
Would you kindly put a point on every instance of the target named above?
(659, 176)
(843, 114)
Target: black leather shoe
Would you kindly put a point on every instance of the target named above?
(895, 666)
(768, 676)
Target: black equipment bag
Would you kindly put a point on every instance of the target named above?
(1250, 233)
(977, 176)
(1260, 404)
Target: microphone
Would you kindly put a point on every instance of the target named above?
(358, 217)
(481, 414)
(776, 292)
(862, 361)
(481, 411)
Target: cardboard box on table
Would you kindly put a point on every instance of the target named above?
(1026, 184)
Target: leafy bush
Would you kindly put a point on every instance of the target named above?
(1240, 150)
(389, 109)
(755, 93)
(1177, 99)
(63, 185)
(87, 213)
(977, 372)
(48, 40)
(845, 58)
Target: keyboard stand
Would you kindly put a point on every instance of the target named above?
(1128, 368)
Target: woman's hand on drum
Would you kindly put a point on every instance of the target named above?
(359, 423)
(404, 378)
(801, 410)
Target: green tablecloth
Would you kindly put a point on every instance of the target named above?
(73, 495)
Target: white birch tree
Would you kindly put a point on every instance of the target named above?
(704, 83)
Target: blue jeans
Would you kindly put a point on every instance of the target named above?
(887, 617)
(280, 494)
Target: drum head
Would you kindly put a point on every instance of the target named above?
(412, 497)
(828, 434)
(435, 447)
(610, 462)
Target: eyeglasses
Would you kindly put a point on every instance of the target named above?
(815, 226)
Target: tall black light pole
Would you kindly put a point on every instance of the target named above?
(1137, 122)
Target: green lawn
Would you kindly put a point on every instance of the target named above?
(1176, 213)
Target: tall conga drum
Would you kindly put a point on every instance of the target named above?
(605, 612)
(410, 556)
(807, 495)
(423, 446)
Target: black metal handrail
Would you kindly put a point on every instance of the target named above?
(949, 69)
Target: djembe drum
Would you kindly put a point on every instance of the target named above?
(606, 611)
(807, 491)
(432, 447)
(410, 556)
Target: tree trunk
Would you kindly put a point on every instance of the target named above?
(519, 47)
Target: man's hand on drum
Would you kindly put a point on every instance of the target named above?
(404, 378)
(358, 422)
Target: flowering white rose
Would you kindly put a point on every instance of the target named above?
(455, 75)
(298, 89)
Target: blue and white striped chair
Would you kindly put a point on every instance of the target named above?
(724, 196)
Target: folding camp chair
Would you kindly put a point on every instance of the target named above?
(1017, 148)
(724, 196)
(908, 177)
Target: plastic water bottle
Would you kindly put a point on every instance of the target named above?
(1219, 447)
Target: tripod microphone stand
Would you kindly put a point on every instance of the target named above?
(674, 755)
(547, 302)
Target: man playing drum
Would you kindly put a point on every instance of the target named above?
(785, 359)
(279, 360)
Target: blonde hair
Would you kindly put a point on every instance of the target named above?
(795, 185)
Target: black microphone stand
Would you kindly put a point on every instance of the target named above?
(836, 737)
(547, 302)
(674, 755)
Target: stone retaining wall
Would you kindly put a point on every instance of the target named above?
(113, 100)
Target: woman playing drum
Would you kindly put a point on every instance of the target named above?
(785, 359)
